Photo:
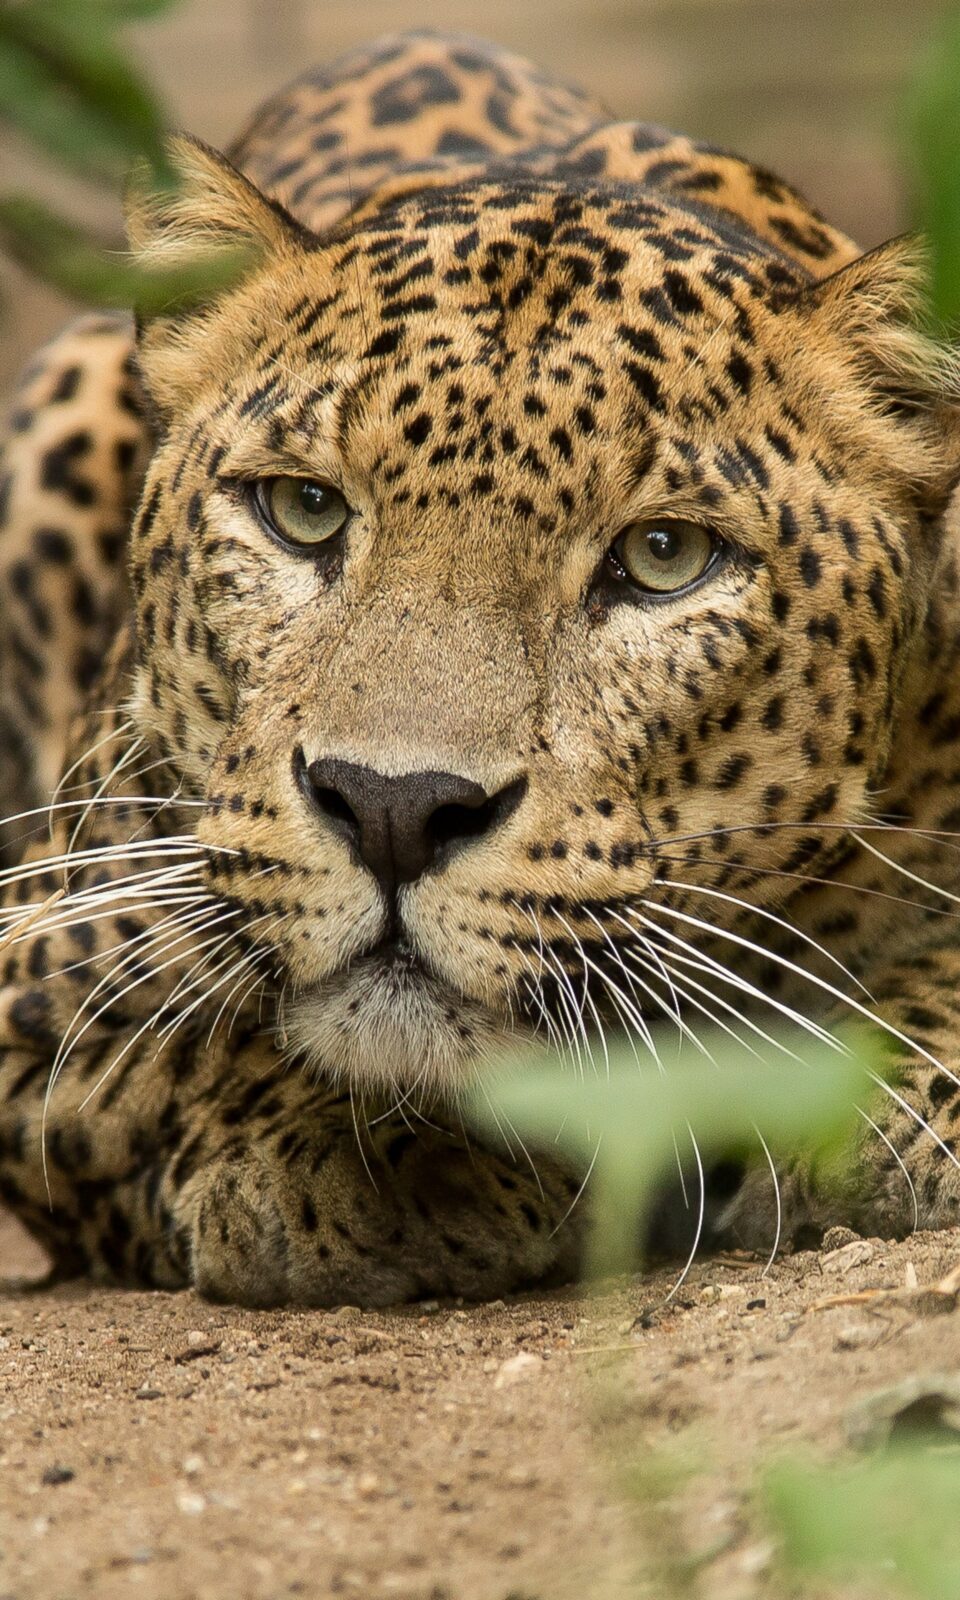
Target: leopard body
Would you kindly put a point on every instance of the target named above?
(505, 327)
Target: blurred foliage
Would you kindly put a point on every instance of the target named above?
(893, 1519)
(623, 1124)
(888, 1521)
(933, 130)
(67, 85)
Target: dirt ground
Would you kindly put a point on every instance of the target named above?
(155, 1445)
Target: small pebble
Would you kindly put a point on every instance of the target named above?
(57, 1474)
(854, 1254)
(516, 1368)
(855, 1337)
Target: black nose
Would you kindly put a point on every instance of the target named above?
(402, 826)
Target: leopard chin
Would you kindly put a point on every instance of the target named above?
(387, 1024)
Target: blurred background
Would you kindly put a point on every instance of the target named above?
(811, 88)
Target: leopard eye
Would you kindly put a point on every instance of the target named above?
(302, 510)
(664, 557)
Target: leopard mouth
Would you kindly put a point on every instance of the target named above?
(389, 1021)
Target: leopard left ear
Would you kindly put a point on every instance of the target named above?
(209, 206)
(874, 313)
(209, 216)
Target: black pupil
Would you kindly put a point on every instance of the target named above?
(664, 543)
(313, 499)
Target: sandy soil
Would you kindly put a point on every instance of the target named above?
(154, 1444)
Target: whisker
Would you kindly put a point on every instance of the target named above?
(808, 878)
(698, 1231)
(756, 828)
(122, 761)
(580, 1192)
(779, 1202)
(900, 1163)
(180, 903)
(814, 978)
(912, 1112)
(699, 959)
(123, 731)
(250, 962)
(637, 1013)
(905, 872)
(588, 967)
(780, 922)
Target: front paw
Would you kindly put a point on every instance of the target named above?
(768, 1214)
(869, 1190)
(413, 1217)
(238, 1247)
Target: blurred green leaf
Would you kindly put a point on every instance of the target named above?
(113, 11)
(72, 54)
(89, 270)
(894, 1519)
(625, 1123)
(934, 140)
(73, 132)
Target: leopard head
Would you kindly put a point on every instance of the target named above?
(517, 565)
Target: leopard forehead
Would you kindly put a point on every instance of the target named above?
(547, 362)
(500, 378)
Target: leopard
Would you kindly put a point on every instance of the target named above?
(518, 603)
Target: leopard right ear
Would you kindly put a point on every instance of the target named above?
(209, 230)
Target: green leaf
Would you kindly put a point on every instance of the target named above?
(624, 1122)
(84, 68)
(113, 11)
(894, 1519)
(934, 151)
(77, 135)
(89, 271)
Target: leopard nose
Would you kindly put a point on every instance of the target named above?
(402, 826)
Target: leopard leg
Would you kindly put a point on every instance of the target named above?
(902, 1170)
(71, 463)
(210, 1162)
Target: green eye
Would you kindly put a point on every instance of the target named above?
(664, 557)
(301, 510)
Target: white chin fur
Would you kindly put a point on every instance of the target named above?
(393, 1028)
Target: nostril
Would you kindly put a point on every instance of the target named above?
(312, 780)
(452, 823)
(333, 805)
(458, 822)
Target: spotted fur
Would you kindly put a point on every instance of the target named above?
(505, 328)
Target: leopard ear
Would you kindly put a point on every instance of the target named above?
(209, 230)
(874, 314)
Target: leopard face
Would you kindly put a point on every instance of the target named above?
(515, 567)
